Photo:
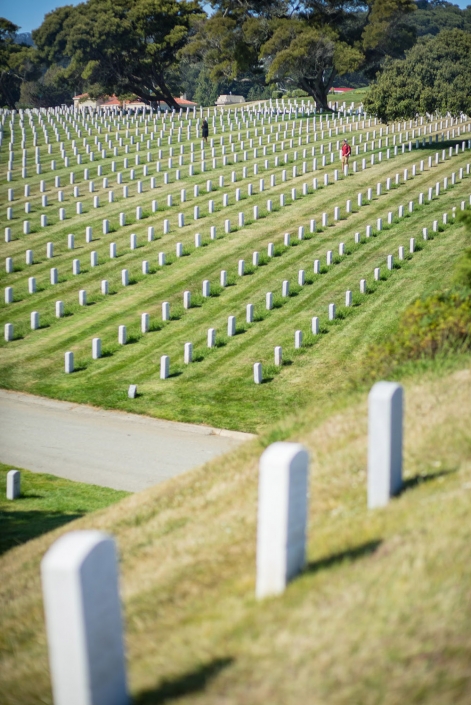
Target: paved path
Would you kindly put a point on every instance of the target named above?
(107, 448)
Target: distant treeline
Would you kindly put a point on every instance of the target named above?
(259, 49)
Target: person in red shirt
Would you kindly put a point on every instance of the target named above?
(346, 151)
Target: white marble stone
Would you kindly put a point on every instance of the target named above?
(188, 353)
(282, 517)
(211, 337)
(69, 362)
(9, 332)
(257, 373)
(83, 620)
(13, 484)
(385, 411)
(231, 326)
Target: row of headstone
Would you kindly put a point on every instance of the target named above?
(79, 572)
(282, 202)
(53, 163)
(285, 289)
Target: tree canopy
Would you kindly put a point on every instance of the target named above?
(303, 45)
(435, 76)
(155, 49)
(118, 46)
(15, 63)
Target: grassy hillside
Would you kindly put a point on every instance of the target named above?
(382, 612)
(217, 388)
(381, 615)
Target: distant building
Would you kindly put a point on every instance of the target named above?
(83, 101)
(230, 99)
(133, 104)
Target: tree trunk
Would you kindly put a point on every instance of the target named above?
(319, 93)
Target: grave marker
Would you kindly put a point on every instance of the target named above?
(188, 353)
(96, 348)
(83, 620)
(122, 335)
(69, 362)
(13, 484)
(282, 517)
(385, 410)
(257, 373)
(8, 332)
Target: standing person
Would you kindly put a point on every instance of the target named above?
(205, 130)
(346, 151)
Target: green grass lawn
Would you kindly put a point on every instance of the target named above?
(217, 388)
(46, 503)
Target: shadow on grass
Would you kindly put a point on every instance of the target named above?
(18, 527)
(194, 681)
(351, 554)
(412, 482)
(80, 367)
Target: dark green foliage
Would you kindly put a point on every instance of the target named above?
(15, 64)
(46, 92)
(434, 77)
(435, 16)
(435, 325)
(305, 47)
(120, 47)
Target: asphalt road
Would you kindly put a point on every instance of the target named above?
(107, 448)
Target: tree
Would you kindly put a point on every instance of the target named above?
(120, 46)
(435, 16)
(434, 77)
(308, 58)
(304, 44)
(47, 91)
(15, 64)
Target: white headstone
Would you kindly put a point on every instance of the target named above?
(257, 373)
(188, 353)
(13, 484)
(211, 337)
(231, 326)
(69, 362)
(385, 411)
(282, 516)
(83, 620)
(164, 366)
(122, 335)
(96, 348)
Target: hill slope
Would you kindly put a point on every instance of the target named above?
(382, 613)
